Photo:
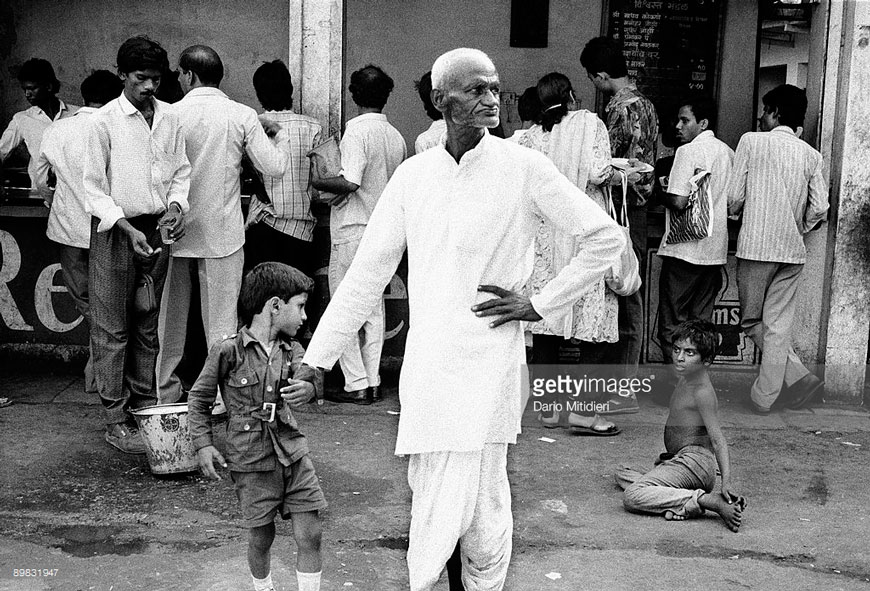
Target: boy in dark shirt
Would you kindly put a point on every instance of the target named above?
(681, 484)
(266, 454)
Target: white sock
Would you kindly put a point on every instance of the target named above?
(308, 581)
(263, 584)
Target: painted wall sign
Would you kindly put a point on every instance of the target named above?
(34, 304)
(671, 47)
(735, 348)
(36, 308)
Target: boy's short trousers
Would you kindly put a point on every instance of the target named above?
(290, 489)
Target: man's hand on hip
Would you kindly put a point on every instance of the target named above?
(507, 306)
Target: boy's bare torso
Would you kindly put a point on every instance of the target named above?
(685, 426)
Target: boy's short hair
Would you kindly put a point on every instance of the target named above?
(39, 71)
(703, 107)
(790, 103)
(141, 53)
(423, 87)
(274, 86)
(101, 87)
(702, 334)
(268, 280)
(603, 55)
(370, 87)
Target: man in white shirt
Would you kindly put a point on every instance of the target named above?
(691, 273)
(69, 223)
(217, 132)
(466, 211)
(135, 170)
(778, 185)
(432, 136)
(40, 87)
(371, 149)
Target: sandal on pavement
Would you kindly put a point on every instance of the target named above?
(596, 428)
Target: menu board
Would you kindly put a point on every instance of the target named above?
(671, 47)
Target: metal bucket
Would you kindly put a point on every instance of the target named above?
(167, 438)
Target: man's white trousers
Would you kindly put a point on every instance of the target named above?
(460, 495)
(361, 361)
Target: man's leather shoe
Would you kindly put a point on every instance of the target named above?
(121, 437)
(361, 397)
(376, 394)
(756, 408)
(803, 391)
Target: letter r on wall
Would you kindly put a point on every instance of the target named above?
(10, 264)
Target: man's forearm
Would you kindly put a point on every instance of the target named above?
(675, 202)
(336, 184)
(720, 448)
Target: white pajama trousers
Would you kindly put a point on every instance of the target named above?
(460, 496)
(361, 361)
(220, 281)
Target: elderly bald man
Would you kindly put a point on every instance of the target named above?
(465, 211)
(217, 131)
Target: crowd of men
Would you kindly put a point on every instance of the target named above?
(143, 194)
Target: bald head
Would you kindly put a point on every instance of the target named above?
(203, 61)
(455, 62)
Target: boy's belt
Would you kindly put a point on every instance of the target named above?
(267, 413)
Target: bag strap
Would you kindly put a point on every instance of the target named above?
(620, 217)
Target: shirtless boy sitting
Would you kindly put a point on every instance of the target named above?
(681, 483)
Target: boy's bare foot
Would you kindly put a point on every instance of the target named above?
(671, 516)
(731, 513)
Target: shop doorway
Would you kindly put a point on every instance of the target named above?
(791, 50)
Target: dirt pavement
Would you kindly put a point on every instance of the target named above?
(83, 516)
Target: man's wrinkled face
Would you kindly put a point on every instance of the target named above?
(140, 85)
(472, 98)
(35, 92)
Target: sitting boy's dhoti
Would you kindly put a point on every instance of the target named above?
(673, 485)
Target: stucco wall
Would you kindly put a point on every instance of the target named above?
(77, 36)
(405, 37)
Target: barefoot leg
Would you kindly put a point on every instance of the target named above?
(731, 514)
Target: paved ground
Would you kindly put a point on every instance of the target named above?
(87, 517)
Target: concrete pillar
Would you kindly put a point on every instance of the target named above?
(316, 31)
(848, 321)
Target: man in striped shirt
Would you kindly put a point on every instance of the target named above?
(283, 230)
(779, 187)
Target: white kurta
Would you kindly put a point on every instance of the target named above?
(465, 224)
